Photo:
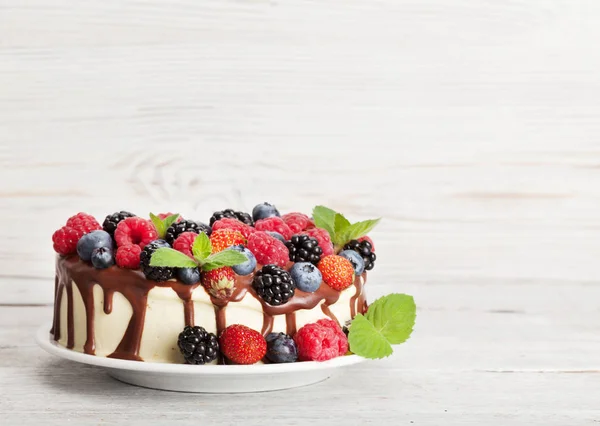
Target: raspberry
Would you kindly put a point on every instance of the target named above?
(135, 230)
(275, 224)
(236, 225)
(297, 221)
(337, 271)
(166, 215)
(83, 222)
(323, 238)
(224, 238)
(367, 238)
(242, 345)
(184, 242)
(267, 249)
(320, 341)
(65, 240)
(128, 256)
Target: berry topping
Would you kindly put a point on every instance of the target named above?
(224, 238)
(268, 250)
(135, 230)
(229, 213)
(197, 345)
(242, 345)
(303, 248)
(178, 228)
(365, 249)
(338, 272)
(281, 348)
(129, 256)
(65, 240)
(274, 285)
(83, 222)
(112, 220)
(323, 238)
(219, 283)
(264, 210)
(102, 257)
(306, 276)
(163, 216)
(367, 238)
(91, 241)
(154, 273)
(184, 243)
(297, 222)
(236, 225)
(321, 341)
(247, 267)
(357, 262)
(275, 224)
(188, 276)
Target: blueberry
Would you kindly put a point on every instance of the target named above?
(188, 275)
(264, 210)
(281, 348)
(102, 257)
(247, 267)
(91, 241)
(355, 259)
(306, 276)
(276, 235)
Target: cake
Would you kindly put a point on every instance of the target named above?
(240, 289)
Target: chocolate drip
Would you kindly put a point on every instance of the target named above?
(70, 317)
(327, 311)
(55, 294)
(108, 301)
(267, 324)
(357, 300)
(56, 322)
(185, 294)
(290, 323)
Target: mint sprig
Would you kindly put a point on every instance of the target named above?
(162, 225)
(389, 321)
(340, 229)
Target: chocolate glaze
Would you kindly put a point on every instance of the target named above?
(135, 288)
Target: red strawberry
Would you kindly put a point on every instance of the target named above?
(337, 271)
(236, 225)
(219, 282)
(223, 238)
(242, 344)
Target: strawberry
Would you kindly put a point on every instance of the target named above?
(224, 238)
(337, 271)
(219, 282)
(242, 344)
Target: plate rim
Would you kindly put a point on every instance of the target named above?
(45, 341)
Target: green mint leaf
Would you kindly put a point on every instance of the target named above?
(393, 317)
(202, 247)
(357, 230)
(341, 224)
(170, 220)
(171, 258)
(223, 258)
(366, 341)
(325, 218)
(159, 225)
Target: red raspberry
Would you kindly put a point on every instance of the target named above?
(320, 341)
(166, 215)
(223, 238)
(367, 238)
(275, 224)
(65, 240)
(242, 344)
(184, 243)
(337, 271)
(83, 222)
(297, 222)
(268, 250)
(135, 230)
(323, 238)
(236, 225)
(128, 256)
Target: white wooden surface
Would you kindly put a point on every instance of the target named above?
(470, 126)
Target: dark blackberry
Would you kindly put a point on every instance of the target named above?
(364, 248)
(185, 226)
(112, 220)
(303, 248)
(197, 345)
(155, 273)
(274, 285)
(241, 216)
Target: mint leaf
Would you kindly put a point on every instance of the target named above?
(202, 247)
(223, 258)
(171, 258)
(393, 316)
(325, 218)
(162, 225)
(341, 224)
(357, 230)
(365, 341)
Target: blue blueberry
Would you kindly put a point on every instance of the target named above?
(276, 235)
(281, 348)
(355, 259)
(306, 276)
(264, 210)
(91, 241)
(102, 258)
(188, 275)
(247, 267)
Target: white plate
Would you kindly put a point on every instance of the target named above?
(205, 378)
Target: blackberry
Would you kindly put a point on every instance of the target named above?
(197, 345)
(185, 226)
(303, 248)
(241, 216)
(112, 220)
(155, 273)
(274, 285)
(364, 249)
